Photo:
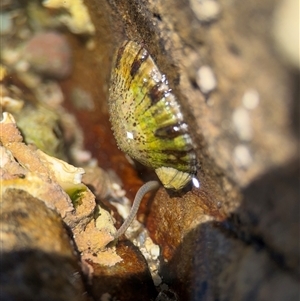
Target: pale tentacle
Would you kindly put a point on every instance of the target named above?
(147, 187)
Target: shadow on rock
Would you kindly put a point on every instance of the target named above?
(254, 255)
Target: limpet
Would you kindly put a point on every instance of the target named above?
(146, 118)
(147, 122)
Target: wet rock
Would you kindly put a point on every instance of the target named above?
(246, 134)
(58, 185)
(128, 280)
(245, 125)
(38, 261)
(212, 264)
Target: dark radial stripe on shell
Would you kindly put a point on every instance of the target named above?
(140, 58)
(156, 93)
(171, 131)
(120, 54)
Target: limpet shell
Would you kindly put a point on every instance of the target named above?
(146, 118)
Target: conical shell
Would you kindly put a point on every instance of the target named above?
(146, 118)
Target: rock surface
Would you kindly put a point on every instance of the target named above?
(237, 237)
(37, 257)
(223, 241)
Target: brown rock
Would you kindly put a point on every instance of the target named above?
(127, 280)
(38, 261)
(246, 132)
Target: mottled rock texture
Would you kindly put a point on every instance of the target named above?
(37, 257)
(237, 238)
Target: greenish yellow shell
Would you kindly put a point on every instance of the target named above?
(146, 118)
